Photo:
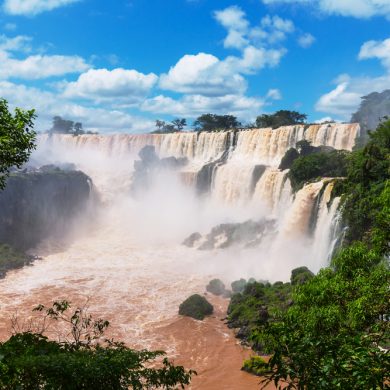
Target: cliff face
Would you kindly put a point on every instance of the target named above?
(372, 109)
(41, 204)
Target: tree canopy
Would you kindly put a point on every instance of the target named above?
(176, 125)
(65, 126)
(280, 118)
(214, 122)
(17, 139)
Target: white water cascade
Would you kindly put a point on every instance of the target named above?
(246, 184)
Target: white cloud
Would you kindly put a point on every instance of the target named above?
(203, 74)
(376, 49)
(193, 105)
(101, 84)
(274, 94)
(34, 66)
(33, 7)
(272, 29)
(17, 43)
(326, 119)
(234, 20)
(345, 97)
(355, 8)
(48, 105)
(40, 66)
(306, 40)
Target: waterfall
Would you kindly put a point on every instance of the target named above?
(236, 173)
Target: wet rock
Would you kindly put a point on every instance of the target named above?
(41, 204)
(238, 286)
(191, 240)
(216, 287)
(149, 165)
(247, 234)
(243, 333)
(196, 307)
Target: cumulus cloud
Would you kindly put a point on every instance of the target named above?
(39, 66)
(207, 75)
(101, 84)
(355, 8)
(34, 67)
(193, 105)
(306, 40)
(274, 94)
(17, 43)
(203, 74)
(240, 33)
(345, 97)
(234, 20)
(33, 7)
(48, 104)
(376, 49)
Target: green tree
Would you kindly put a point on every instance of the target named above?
(334, 336)
(78, 129)
(280, 118)
(17, 139)
(179, 123)
(366, 192)
(159, 125)
(213, 122)
(61, 126)
(31, 361)
(317, 165)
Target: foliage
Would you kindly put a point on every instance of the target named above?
(238, 285)
(280, 118)
(257, 304)
(31, 361)
(179, 123)
(65, 126)
(196, 307)
(332, 336)
(256, 365)
(366, 190)
(289, 157)
(213, 122)
(317, 165)
(300, 275)
(11, 259)
(175, 126)
(216, 287)
(17, 139)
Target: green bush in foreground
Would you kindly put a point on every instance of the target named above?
(30, 361)
(196, 307)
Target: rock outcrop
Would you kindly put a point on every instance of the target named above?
(38, 204)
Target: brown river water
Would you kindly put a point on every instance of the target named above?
(138, 290)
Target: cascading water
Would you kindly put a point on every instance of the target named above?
(130, 261)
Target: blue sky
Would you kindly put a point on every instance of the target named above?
(116, 66)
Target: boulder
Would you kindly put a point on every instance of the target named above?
(216, 287)
(196, 307)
